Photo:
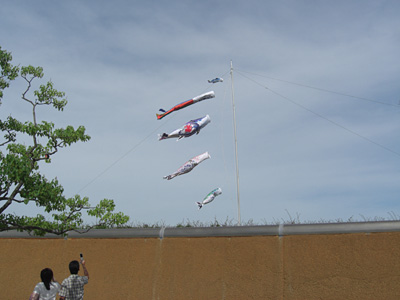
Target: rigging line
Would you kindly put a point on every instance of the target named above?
(325, 118)
(123, 156)
(222, 120)
(133, 148)
(208, 86)
(227, 72)
(321, 89)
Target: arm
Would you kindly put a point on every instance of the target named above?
(63, 291)
(85, 271)
(34, 296)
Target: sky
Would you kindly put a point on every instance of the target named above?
(314, 87)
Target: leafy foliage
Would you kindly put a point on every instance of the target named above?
(21, 183)
(8, 71)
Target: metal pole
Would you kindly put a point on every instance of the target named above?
(236, 152)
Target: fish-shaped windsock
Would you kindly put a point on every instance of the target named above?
(215, 80)
(210, 197)
(186, 103)
(189, 165)
(189, 129)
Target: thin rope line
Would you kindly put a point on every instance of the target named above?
(126, 154)
(208, 86)
(321, 89)
(223, 135)
(323, 117)
(123, 156)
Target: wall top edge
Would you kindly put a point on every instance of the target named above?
(225, 231)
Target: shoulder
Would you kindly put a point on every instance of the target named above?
(39, 287)
(66, 280)
(84, 279)
(55, 285)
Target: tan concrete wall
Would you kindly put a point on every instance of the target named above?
(342, 266)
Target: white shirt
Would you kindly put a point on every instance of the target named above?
(45, 294)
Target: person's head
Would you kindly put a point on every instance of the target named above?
(46, 275)
(74, 267)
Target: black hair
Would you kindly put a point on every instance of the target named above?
(46, 275)
(74, 267)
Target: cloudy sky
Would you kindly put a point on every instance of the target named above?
(316, 91)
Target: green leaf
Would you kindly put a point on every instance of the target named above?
(28, 143)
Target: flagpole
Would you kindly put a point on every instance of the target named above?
(236, 154)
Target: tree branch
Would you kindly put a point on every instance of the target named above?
(10, 199)
(15, 226)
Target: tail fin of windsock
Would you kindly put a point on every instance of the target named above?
(199, 204)
(162, 136)
(169, 177)
(160, 116)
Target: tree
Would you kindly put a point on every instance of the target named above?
(8, 71)
(21, 183)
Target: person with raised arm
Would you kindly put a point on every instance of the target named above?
(72, 287)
